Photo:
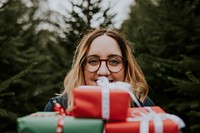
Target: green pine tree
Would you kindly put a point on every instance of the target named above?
(82, 17)
(34, 60)
(23, 62)
(76, 25)
(166, 36)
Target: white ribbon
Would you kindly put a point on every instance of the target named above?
(145, 117)
(105, 103)
(105, 97)
(103, 82)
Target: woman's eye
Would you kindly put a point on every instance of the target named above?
(93, 61)
(113, 62)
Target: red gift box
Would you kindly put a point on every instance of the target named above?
(89, 102)
(145, 120)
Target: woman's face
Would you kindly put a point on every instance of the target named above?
(103, 48)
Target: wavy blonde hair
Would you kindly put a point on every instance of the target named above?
(133, 73)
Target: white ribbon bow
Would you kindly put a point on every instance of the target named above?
(103, 82)
(145, 117)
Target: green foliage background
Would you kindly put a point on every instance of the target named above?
(166, 35)
(34, 59)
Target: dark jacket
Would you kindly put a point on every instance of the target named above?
(63, 102)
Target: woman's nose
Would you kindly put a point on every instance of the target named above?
(103, 69)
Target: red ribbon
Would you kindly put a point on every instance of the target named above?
(62, 112)
(60, 125)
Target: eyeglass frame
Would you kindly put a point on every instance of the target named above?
(124, 62)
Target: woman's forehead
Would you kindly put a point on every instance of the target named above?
(103, 46)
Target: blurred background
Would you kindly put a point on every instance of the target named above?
(38, 39)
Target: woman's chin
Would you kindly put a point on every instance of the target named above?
(93, 83)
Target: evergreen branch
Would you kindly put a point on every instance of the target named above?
(194, 118)
(8, 114)
(7, 94)
(184, 87)
(192, 77)
(195, 127)
(4, 85)
(194, 113)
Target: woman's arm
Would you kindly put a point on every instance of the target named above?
(58, 99)
(148, 102)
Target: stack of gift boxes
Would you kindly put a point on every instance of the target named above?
(101, 110)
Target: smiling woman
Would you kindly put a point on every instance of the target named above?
(102, 52)
(103, 49)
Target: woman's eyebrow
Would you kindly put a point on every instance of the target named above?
(93, 55)
(111, 55)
